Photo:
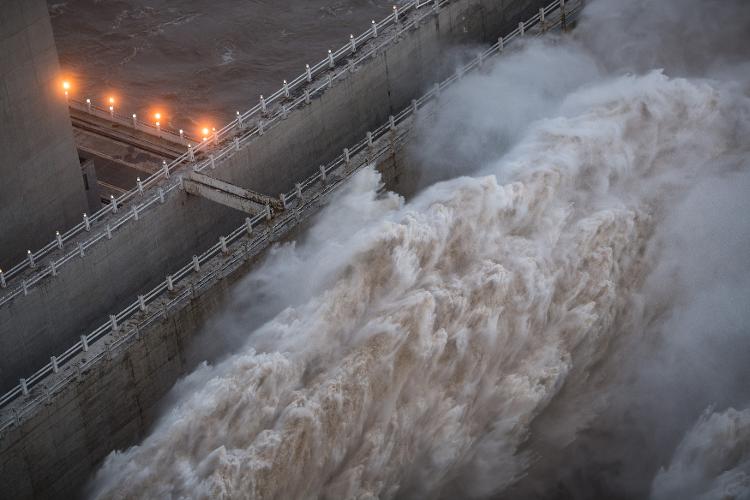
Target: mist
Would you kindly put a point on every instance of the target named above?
(562, 311)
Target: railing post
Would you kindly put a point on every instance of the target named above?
(374, 29)
(541, 17)
(298, 187)
(80, 249)
(182, 135)
(392, 122)
(30, 256)
(86, 223)
(239, 120)
(113, 203)
(109, 232)
(223, 244)
(268, 212)
(263, 106)
(307, 96)
(84, 343)
(521, 28)
(25, 287)
(165, 167)
(53, 362)
(500, 44)
(323, 173)
(395, 14)
(286, 89)
(248, 225)
(212, 161)
(88, 105)
(284, 112)
(141, 303)
(331, 62)
(113, 322)
(282, 197)
(480, 59)
(135, 207)
(53, 267)
(24, 387)
(352, 43)
(437, 90)
(135, 121)
(196, 264)
(3, 284)
(369, 139)
(347, 159)
(236, 143)
(170, 283)
(161, 195)
(308, 72)
(330, 80)
(140, 185)
(59, 240)
(414, 107)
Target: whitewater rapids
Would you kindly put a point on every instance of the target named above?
(440, 332)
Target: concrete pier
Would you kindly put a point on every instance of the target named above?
(41, 184)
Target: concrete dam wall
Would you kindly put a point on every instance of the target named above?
(56, 311)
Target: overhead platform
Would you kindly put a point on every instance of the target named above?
(228, 194)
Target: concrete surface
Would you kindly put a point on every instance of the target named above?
(41, 184)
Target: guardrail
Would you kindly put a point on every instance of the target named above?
(402, 18)
(303, 202)
(133, 122)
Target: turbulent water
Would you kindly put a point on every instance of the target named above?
(570, 321)
(198, 62)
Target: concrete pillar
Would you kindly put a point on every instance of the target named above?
(41, 185)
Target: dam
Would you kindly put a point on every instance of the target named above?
(175, 243)
(468, 249)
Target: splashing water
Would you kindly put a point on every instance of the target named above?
(421, 361)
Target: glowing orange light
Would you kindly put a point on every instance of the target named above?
(157, 116)
(205, 131)
(66, 85)
(111, 100)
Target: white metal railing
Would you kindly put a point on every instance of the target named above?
(402, 18)
(325, 176)
(133, 122)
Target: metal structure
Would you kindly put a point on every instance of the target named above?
(255, 233)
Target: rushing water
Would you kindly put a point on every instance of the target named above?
(570, 321)
(198, 62)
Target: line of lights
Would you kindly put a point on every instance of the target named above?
(111, 103)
